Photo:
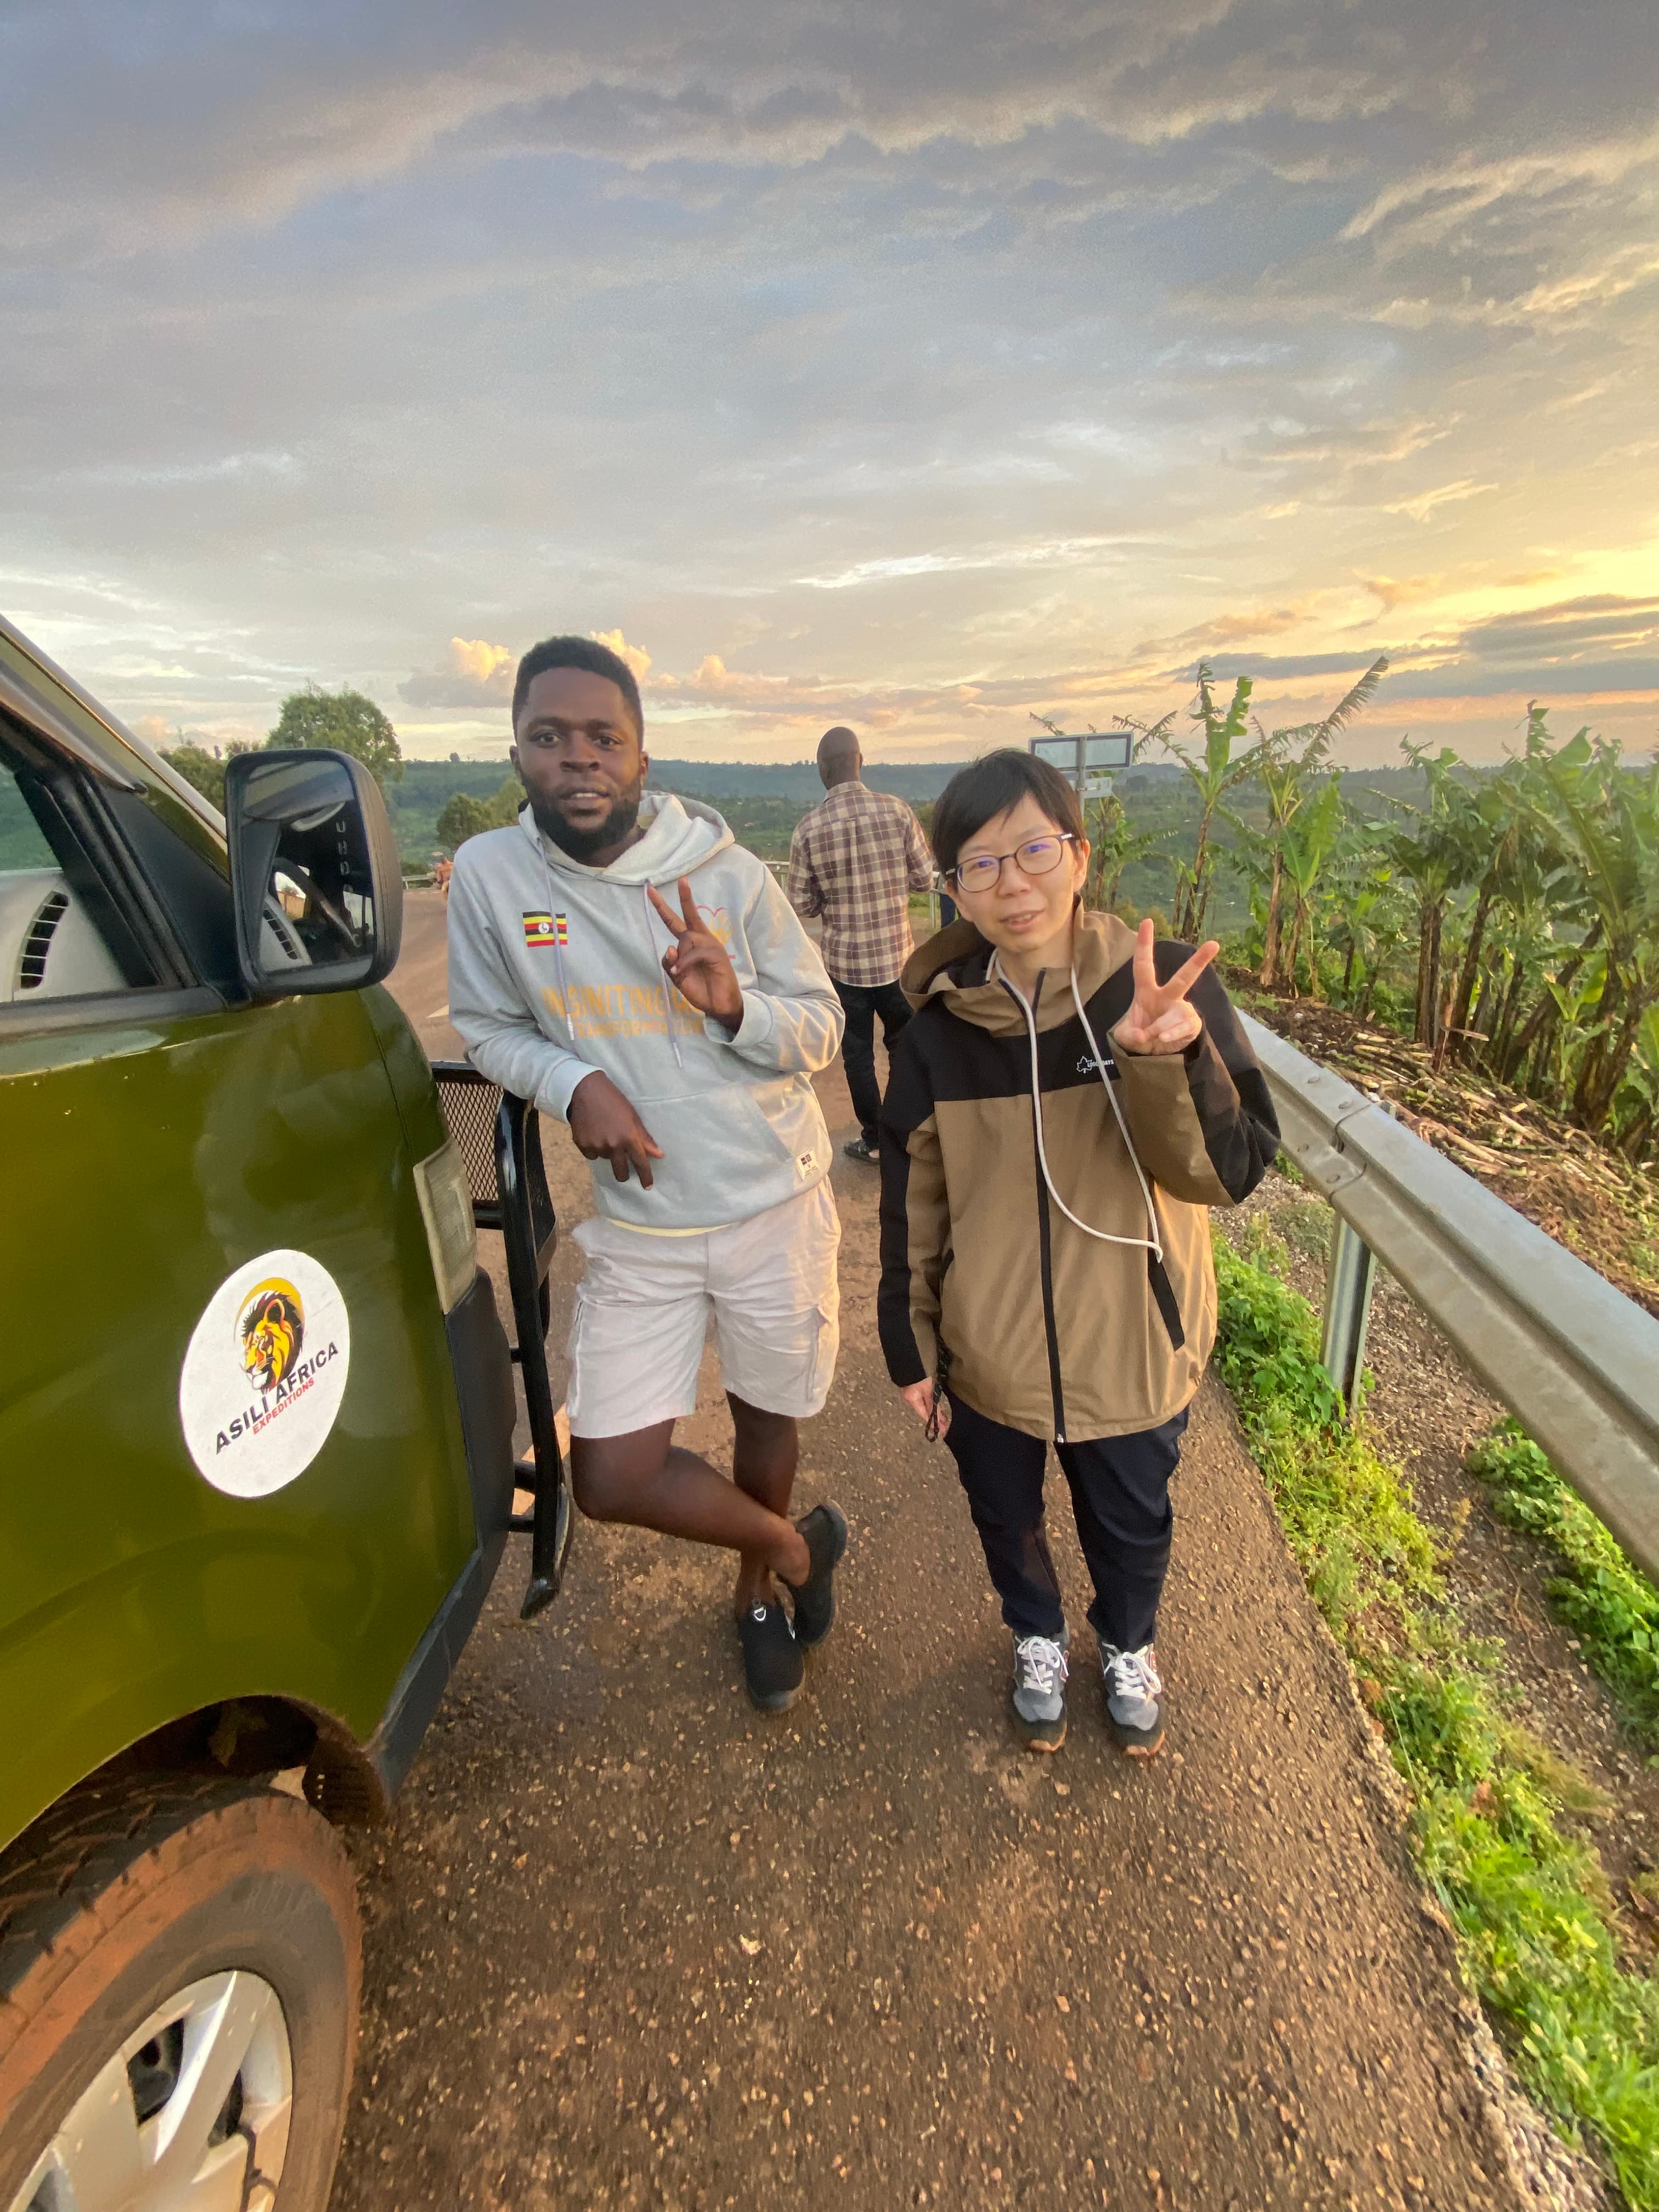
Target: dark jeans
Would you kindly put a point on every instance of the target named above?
(863, 1002)
(1120, 1490)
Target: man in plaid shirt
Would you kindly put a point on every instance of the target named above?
(855, 860)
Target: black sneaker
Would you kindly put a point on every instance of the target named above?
(772, 1664)
(860, 1148)
(825, 1529)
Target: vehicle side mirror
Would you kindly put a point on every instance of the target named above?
(314, 873)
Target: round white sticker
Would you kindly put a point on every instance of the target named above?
(265, 1374)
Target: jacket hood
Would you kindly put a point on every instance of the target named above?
(680, 835)
(952, 966)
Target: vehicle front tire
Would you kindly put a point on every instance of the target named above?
(179, 1964)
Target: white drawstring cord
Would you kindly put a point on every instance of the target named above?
(1154, 1243)
(558, 960)
(667, 987)
(558, 954)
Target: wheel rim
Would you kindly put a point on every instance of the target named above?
(190, 2115)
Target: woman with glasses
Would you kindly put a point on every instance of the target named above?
(1064, 1108)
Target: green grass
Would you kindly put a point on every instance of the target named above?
(1611, 1605)
(1305, 1223)
(1491, 1806)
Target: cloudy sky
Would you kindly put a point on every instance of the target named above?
(920, 366)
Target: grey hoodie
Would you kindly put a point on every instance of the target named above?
(556, 970)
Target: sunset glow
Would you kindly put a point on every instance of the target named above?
(919, 373)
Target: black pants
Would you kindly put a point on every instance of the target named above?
(1120, 1490)
(863, 1002)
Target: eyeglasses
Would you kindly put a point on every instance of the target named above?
(1037, 856)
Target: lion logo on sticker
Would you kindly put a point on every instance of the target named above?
(265, 1374)
(270, 1329)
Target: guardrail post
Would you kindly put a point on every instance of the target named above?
(1349, 1280)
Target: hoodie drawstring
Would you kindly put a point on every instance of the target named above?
(650, 938)
(1154, 1243)
(558, 949)
(667, 987)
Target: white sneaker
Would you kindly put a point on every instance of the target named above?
(1133, 1687)
(1040, 1671)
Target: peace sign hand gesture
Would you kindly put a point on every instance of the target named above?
(1160, 1019)
(696, 963)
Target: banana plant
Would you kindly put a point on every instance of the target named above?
(1114, 846)
(1214, 772)
(1308, 839)
(1610, 820)
(1578, 995)
(1637, 1101)
(1434, 857)
(1287, 764)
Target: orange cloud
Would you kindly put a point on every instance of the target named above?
(476, 673)
(472, 658)
(635, 656)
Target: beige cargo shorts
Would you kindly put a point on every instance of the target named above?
(646, 1301)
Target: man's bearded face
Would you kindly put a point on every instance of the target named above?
(583, 840)
(581, 762)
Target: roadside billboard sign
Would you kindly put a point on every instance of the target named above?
(1089, 760)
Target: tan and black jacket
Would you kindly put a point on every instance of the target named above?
(1038, 1326)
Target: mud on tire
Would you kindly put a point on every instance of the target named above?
(125, 1896)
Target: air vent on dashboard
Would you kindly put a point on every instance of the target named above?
(283, 935)
(31, 963)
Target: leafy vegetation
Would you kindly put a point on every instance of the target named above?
(1305, 819)
(1492, 1808)
(204, 769)
(344, 721)
(1213, 771)
(463, 816)
(1509, 918)
(1610, 1604)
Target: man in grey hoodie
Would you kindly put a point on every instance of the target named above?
(578, 985)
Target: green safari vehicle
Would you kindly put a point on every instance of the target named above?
(256, 1447)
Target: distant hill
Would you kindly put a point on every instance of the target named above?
(916, 781)
(763, 800)
(790, 788)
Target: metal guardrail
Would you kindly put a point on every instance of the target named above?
(1575, 1361)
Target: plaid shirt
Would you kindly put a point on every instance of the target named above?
(856, 860)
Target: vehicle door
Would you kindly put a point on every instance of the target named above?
(230, 1457)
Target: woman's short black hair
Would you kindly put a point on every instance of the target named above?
(584, 652)
(988, 786)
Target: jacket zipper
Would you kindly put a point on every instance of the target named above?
(1048, 1304)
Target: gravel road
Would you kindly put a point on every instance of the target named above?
(630, 1945)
